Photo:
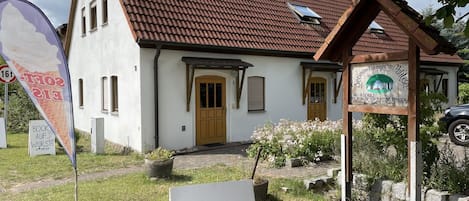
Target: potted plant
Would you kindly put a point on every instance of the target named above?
(159, 163)
(261, 186)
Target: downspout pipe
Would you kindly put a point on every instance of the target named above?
(155, 83)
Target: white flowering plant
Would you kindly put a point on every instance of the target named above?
(311, 140)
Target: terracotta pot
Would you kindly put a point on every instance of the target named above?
(159, 169)
(260, 190)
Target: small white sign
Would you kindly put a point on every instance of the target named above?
(3, 134)
(41, 138)
(226, 191)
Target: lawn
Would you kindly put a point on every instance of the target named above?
(17, 167)
(137, 186)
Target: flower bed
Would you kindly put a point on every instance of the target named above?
(310, 140)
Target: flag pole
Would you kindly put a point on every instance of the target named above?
(76, 183)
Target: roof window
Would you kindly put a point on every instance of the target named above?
(376, 28)
(305, 14)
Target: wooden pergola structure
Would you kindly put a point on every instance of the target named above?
(338, 48)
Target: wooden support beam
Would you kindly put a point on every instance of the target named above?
(414, 146)
(304, 87)
(337, 87)
(378, 109)
(237, 88)
(439, 83)
(189, 84)
(369, 58)
(240, 89)
(307, 86)
(347, 128)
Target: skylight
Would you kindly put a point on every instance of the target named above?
(376, 28)
(306, 14)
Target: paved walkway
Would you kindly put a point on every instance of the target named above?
(232, 155)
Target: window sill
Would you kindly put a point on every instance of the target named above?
(93, 29)
(104, 24)
(116, 113)
(83, 35)
(104, 111)
(257, 111)
(81, 107)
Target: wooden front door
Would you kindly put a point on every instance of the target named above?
(317, 107)
(210, 110)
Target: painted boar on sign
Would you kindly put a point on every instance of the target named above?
(380, 84)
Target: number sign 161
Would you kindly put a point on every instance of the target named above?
(6, 75)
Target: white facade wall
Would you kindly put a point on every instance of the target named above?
(283, 95)
(110, 50)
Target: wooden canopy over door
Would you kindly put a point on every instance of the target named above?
(210, 110)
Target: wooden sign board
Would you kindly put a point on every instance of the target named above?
(226, 191)
(380, 84)
(3, 134)
(41, 138)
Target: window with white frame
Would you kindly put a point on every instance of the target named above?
(93, 16)
(114, 94)
(256, 93)
(80, 93)
(104, 94)
(105, 11)
(83, 21)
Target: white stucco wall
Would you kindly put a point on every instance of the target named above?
(283, 93)
(108, 51)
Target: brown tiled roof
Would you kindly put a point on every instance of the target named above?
(251, 25)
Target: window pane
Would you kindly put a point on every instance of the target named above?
(105, 94)
(211, 95)
(219, 95)
(83, 21)
(105, 13)
(115, 102)
(80, 92)
(203, 95)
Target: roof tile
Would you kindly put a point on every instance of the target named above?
(254, 24)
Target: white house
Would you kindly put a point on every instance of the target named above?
(181, 73)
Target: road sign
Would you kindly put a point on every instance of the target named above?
(6, 75)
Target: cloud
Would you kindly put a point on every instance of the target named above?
(56, 10)
(21, 42)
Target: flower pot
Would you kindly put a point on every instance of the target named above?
(159, 169)
(260, 190)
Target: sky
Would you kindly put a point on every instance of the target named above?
(57, 10)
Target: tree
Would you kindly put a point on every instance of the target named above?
(448, 14)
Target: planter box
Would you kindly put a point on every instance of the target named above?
(159, 169)
(260, 190)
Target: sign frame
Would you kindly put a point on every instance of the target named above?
(2, 75)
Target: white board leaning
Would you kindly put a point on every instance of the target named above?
(3, 134)
(380, 83)
(41, 138)
(226, 191)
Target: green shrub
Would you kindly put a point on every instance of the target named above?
(20, 110)
(312, 140)
(449, 174)
(463, 93)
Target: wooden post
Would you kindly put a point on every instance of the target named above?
(414, 146)
(346, 148)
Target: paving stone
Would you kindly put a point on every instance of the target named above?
(294, 162)
(435, 195)
(458, 198)
(399, 191)
(333, 172)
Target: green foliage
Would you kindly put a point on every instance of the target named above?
(449, 174)
(372, 159)
(20, 109)
(447, 13)
(389, 132)
(159, 154)
(464, 93)
(312, 140)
